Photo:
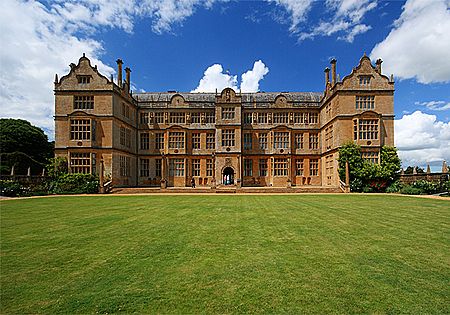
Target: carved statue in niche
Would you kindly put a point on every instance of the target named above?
(188, 118)
(227, 96)
(166, 117)
(202, 118)
(291, 117)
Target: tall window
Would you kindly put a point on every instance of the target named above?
(177, 118)
(158, 167)
(247, 141)
(209, 167)
(124, 166)
(262, 167)
(196, 167)
(195, 118)
(80, 129)
(176, 140)
(144, 141)
(280, 118)
(128, 137)
(314, 167)
(210, 118)
(368, 129)
(248, 118)
(329, 137)
(281, 140)
(300, 118)
(80, 162)
(313, 118)
(248, 165)
(210, 140)
(159, 117)
(280, 167)
(159, 140)
(145, 168)
(299, 140)
(144, 118)
(365, 102)
(313, 141)
(83, 102)
(196, 140)
(125, 110)
(262, 140)
(176, 167)
(262, 118)
(228, 137)
(299, 167)
(227, 113)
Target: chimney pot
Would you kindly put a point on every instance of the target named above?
(333, 71)
(119, 72)
(327, 75)
(127, 78)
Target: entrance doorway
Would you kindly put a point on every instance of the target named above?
(228, 176)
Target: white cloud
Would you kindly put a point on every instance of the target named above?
(297, 9)
(422, 139)
(251, 78)
(345, 18)
(418, 45)
(214, 78)
(435, 105)
(36, 45)
(40, 40)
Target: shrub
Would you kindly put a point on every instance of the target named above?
(426, 187)
(75, 184)
(11, 188)
(395, 187)
(410, 190)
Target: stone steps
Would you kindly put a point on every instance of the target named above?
(226, 190)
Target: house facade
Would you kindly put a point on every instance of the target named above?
(227, 138)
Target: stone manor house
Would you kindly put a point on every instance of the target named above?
(276, 139)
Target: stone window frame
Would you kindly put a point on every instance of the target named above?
(83, 101)
(280, 139)
(280, 167)
(196, 143)
(144, 167)
(159, 140)
(80, 162)
(80, 129)
(210, 140)
(228, 113)
(248, 167)
(144, 141)
(313, 141)
(195, 167)
(299, 140)
(248, 141)
(176, 140)
(209, 167)
(262, 167)
(299, 167)
(314, 167)
(263, 140)
(228, 137)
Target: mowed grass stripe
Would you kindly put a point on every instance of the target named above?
(225, 254)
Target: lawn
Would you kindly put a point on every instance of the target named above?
(225, 254)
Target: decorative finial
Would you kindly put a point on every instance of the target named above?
(56, 78)
(84, 55)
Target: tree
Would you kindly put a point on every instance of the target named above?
(19, 138)
(366, 176)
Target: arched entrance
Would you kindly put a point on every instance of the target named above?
(228, 176)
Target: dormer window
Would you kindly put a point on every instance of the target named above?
(364, 80)
(84, 79)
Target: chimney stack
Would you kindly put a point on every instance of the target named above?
(119, 72)
(327, 75)
(333, 71)
(378, 65)
(128, 71)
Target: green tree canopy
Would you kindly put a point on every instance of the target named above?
(366, 176)
(20, 138)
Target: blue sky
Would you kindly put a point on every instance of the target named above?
(170, 44)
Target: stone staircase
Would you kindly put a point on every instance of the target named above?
(226, 190)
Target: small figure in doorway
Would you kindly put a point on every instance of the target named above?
(193, 182)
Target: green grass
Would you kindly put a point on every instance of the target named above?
(226, 254)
